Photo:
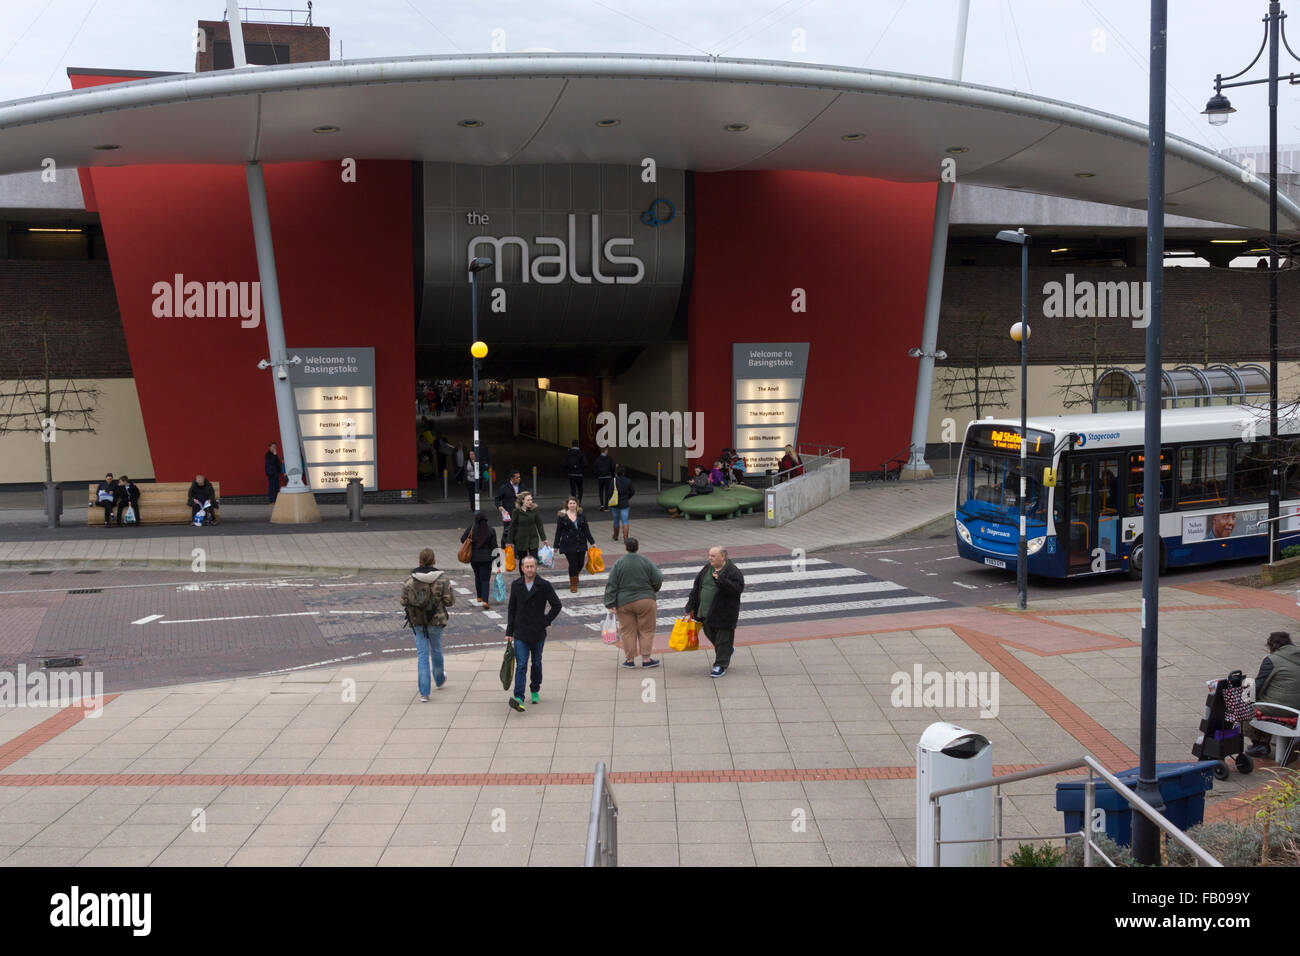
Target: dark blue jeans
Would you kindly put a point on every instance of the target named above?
(525, 654)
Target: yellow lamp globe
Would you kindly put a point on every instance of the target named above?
(478, 350)
(1016, 332)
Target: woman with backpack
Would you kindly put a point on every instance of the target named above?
(426, 596)
(526, 532)
(572, 536)
(483, 544)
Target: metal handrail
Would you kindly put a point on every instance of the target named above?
(602, 825)
(1090, 799)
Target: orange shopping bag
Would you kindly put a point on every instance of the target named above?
(686, 635)
(595, 561)
(510, 557)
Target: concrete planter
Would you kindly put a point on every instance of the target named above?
(1284, 570)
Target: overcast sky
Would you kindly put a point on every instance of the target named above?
(1089, 52)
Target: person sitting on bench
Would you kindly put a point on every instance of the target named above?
(203, 497)
(106, 497)
(700, 484)
(128, 496)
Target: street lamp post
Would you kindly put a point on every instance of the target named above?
(477, 350)
(1020, 333)
(1217, 110)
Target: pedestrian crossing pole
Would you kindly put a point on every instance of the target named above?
(476, 266)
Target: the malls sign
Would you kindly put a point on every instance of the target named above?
(562, 264)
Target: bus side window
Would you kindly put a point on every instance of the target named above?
(1250, 473)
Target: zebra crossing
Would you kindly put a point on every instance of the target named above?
(776, 589)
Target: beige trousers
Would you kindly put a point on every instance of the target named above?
(636, 627)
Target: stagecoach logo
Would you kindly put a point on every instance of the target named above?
(994, 532)
(1097, 436)
(564, 259)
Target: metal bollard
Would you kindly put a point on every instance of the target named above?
(53, 500)
(536, 491)
(659, 476)
(355, 496)
(444, 484)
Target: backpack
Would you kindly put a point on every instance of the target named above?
(417, 602)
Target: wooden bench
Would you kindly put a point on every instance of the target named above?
(161, 502)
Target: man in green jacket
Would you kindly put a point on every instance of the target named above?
(1278, 682)
(630, 594)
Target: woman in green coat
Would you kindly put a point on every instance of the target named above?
(527, 533)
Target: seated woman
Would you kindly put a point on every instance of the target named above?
(106, 497)
(128, 496)
(791, 462)
(738, 470)
(1278, 682)
(203, 497)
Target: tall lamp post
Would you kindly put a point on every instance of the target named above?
(1020, 333)
(478, 350)
(1217, 111)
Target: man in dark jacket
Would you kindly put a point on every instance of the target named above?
(106, 497)
(715, 601)
(273, 468)
(575, 465)
(603, 466)
(506, 497)
(1278, 682)
(533, 606)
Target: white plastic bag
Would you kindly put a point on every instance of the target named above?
(546, 556)
(609, 629)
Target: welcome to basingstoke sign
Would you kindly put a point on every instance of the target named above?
(334, 391)
(768, 383)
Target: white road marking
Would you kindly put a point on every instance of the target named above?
(146, 620)
(759, 615)
(951, 557)
(889, 560)
(968, 587)
(787, 594)
(242, 617)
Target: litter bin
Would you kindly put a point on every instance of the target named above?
(355, 496)
(1182, 788)
(948, 756)
(53, 503)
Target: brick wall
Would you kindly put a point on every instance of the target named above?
(1226, 309)
(85, 329)
(306, 44)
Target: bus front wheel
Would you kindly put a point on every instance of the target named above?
(1135, 560)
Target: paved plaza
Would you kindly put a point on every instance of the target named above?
(797, 756)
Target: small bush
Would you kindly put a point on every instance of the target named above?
(1027, 854)
(1291, 551)
(1119, 855)
(1232, 844)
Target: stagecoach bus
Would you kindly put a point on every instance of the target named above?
(1084, 489)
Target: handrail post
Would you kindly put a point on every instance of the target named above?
(938, 822)
(1089, 803)
(997, 825)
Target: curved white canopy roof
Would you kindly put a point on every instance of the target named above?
(541, 108)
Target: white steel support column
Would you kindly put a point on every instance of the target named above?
(916, 466)
(295, 504)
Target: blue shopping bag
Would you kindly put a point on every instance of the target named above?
(499, 587)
